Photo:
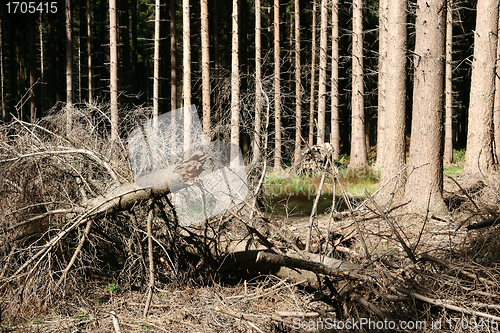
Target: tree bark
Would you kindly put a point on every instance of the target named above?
(298, 86)
(69, 67)
(496, 112)
(89, 50)
(205, 69)
(382, 81)
(313, 77)
(335, 130)
(258, 84)
(186, 64)
(33, 70)
(156, 60)
(113, 77)
(479, 160)
(424, 186)
(358, 141)
(278, 168)
(235, 87)
(448, 123)
(394, 78)
(173, 58)
(323, 45)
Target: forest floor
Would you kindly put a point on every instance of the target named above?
(266, 303)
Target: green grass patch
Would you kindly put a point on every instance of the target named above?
(453, 169)
(458, 155)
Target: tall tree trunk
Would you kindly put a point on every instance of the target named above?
(496, 112)
(89, 50)
(448, 90)
(277, 90)
(133, 46)
(395, 104)
(69, 67)
(298, 86)
(173, 58)
(335, 130)
(156, 60)
(382, 80)
(33, 69)
(235, 87)
(424, 187)
(358, 141)
(323, 45)
(479, 159)
(205, 69)
(186, 81)
(258, 84)
(2, 70)
(113, 77)
(313, 76)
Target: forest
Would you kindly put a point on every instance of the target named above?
(399, 97)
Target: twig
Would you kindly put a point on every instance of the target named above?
(315, 207)
(150, 255)
(391, 223)
(464, 192)
(444, 303)
(116, 323)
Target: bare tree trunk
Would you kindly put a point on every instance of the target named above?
(277, 90)
(186, 64)
(205, 68)
(358, 141)
(156, 60)
(258, 84)
(395, 103)
(69, 67)
(113, 77)
(235, 87)
(448, 90)
(298, 86)
(323, 45)
(89, 50)
(33, 70)
(173, 58)
(496, 112)
(479, 157)
(424, 187)
(2, 73)
(382, 81)
(313, 75)
(335, 130)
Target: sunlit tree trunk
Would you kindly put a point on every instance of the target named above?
(89, 50)
(33, 70)
(173, 58)
(298, 86)
(335, 130)
(479, 159)
(186, 64)
(382, 80)
(323, 45)
(69, 67)
(156, 60)
(258, 83)
(277, 90)
(496, 112)
(358, 141)
(113, 80)
(235, 86)
(205, 68)
(424, 187)
(448, 90)
(395, 104)
(313, 76)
